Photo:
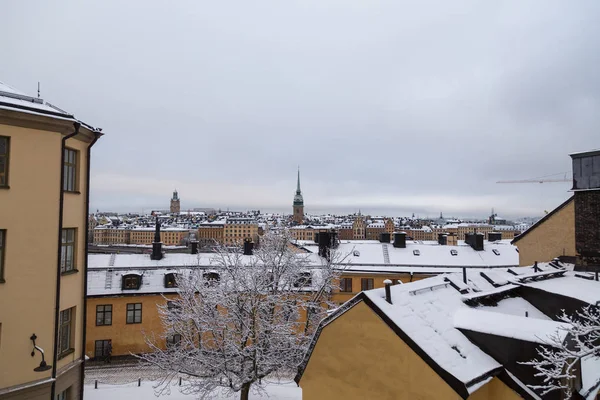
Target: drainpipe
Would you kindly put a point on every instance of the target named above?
(60, 226)
(85, 262)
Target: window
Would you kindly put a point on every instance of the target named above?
(173, 340)
(495, 251)
(4, 150)
(416, 252)
(211, 278)
(64, 395)
(366, 283)
(131, 281)
(2, 247)
(70, 171)
(67, 252)
(104, 315)
(134, 313)
(346, 285)
(65, 331)
(303, 279)
(102, 348)
(170, 281)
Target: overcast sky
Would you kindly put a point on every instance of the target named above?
(387, 106)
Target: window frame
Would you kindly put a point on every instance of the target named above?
(104, 312)
(127, 277)
(133, 311)
(68, 332)
(64, 269)
(170, 280)
(71, 182)
(367, 284)
(344, 287)
(6, 157)
(2, 253)
(105, 345)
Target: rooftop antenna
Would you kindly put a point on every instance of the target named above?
(38, 89)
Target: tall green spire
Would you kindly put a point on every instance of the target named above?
(298, 199)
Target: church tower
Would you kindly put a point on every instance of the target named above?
(175, 203)
(298, 203)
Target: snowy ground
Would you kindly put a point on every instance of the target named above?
(282, 391)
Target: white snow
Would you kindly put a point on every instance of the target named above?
(516, 306)
(511, 326)
(283, 391)
(427, 317)
(570, 286)
(590, 371)
(431, 254)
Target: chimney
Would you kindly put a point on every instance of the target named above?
(384, 237)
(157, 244)
(388, 290)
(248, 247)
(400, 240)
(586, 185)
(475, 240)
(465, 275)
(317, 237)
(194, 244)
(494, 236)
(442, 239)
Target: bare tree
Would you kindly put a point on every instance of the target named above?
(559, 361)
(243, 319)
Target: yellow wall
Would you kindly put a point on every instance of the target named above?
(552, 238)
(358, 356)
(342, 297)
(29, 212)
(125, 337)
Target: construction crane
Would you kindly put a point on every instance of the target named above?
(541, 179)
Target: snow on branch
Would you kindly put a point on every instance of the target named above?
(559, 361)
(246, 318)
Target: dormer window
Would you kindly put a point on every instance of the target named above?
(303, 279)
(211, 278)
(170, 280)
(132, 281)
(454, 252)
(416, 252)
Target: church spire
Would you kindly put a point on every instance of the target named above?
(298, 191)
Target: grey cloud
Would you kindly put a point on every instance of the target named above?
(388, 105)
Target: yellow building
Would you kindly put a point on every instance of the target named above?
(439, 338)
(552, 236)
(307, 232)
(236, 230)
(138, 235)
(44, 192)
(211, 232)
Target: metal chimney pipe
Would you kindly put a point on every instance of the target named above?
(388, 290)
(465, 275)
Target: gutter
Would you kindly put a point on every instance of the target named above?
(85, 262)
(58, 276)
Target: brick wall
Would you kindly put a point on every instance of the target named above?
(587, 226)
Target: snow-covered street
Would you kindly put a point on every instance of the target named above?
(282, 391)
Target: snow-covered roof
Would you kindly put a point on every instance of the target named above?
(427, 318)
(432, 312)
(13, 99)
(509, 325)
(430, 254)
(570, 286)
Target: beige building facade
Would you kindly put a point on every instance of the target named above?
(236, 230)
(552, 236)
(44, 180)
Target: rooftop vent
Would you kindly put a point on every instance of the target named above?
(416, 252)
(454, 252)
(400, 240)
